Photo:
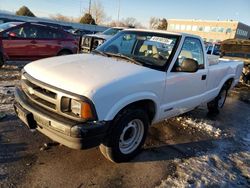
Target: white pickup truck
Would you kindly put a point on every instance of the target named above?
(110, 97)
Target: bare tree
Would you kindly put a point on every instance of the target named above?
(128, 22)
(154, 23)
(113, 24)
(60, 17)
(98, 13)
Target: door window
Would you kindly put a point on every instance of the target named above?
(25, 32)
(47, 33)
(192, 49)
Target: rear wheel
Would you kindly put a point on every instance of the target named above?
(218, 102)
(127, 136)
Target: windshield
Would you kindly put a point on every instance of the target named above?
(6, 26)
(147, 48)
(111, 31)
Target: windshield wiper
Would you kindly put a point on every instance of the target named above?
(100, 52)
(119, 55)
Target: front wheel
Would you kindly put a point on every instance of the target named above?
(218, 102)
(1, 60)
(127, 136)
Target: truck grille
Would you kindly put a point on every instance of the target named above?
(40, 95)
(49, 97)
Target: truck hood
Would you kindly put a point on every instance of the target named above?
(83, 74)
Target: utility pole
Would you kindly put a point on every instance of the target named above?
(89, 6)
(119, 4)
(80, 8)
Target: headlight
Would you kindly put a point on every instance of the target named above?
(78, 108)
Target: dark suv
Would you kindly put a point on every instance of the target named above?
(30, 41)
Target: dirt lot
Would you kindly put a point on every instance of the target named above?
(193, 150)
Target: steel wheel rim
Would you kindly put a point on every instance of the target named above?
(222, 98)
(131, 136)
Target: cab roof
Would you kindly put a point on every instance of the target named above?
(163, 32)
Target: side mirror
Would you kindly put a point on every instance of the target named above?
(12, 35)
(189, 65)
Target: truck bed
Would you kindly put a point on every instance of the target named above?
(221, 71)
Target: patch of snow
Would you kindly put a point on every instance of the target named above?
(209, 171)
(7, 108)
(202, 125)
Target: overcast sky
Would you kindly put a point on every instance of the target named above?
(142, 10)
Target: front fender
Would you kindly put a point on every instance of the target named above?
(125, 101)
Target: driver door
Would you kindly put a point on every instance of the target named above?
(184, 91)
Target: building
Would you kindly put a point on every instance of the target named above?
(211, 31)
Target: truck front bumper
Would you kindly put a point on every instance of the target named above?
(73, 134)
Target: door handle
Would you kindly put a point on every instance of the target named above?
(203, 77)
(33, 42)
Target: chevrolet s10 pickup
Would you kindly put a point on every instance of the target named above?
(110, 97)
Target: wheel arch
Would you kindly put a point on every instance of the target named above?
(65, 50)
(227, 81)
(149, 103)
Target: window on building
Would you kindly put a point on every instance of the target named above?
(213, 29)
(188, 28)
(201, 28)
(171, 26)
(177, 27)
(207, 29)
(194, 28)
(183, 27)
(228, 30)
(220, 29)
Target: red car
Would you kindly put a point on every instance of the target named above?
(31, 41)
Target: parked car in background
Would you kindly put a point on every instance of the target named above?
(78, 33)
(92, 41)
(30, 41)
(212, 48)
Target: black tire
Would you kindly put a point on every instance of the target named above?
(215, 105)
(113, 148)
(1, 60)
(64, 52)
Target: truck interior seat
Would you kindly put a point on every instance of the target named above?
(187, 54)
(148, 50)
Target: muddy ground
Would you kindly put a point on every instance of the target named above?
(192, 150)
